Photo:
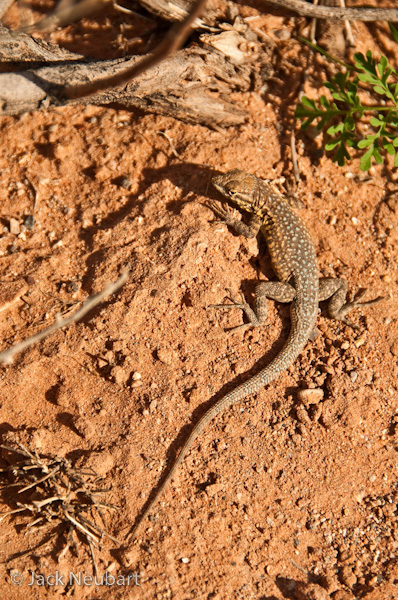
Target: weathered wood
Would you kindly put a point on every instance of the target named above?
(176, 10)
(18, 47)
(194, 85)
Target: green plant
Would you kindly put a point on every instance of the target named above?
(345, 111)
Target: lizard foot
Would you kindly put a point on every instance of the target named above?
(357, 301)
(243, 305)
(224, 212)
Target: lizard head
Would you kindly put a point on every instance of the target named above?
(242, 189)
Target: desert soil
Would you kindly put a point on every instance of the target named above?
(281, 496)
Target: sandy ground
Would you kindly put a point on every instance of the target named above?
(280, 497)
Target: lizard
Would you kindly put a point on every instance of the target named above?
(294, 262)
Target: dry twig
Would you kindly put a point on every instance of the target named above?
(7, 356)
(67, 14)
(305, 9)
(61, 494)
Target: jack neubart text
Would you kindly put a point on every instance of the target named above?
(84, 579)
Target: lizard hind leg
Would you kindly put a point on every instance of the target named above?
(273, 290)
(335, 290)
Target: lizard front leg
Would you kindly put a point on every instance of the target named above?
(274, 290)
(227, 215)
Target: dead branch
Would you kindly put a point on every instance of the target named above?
(175, 87)
(70, 11)
(7, 356)
(16, 47)
(305, 9)
(173, 10)
(172, 41)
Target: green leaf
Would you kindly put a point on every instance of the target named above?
(379, 90)
(306, 123)
(366, 160)
(349, 123)
(340, 80)
(332, 145)
(382, 65)
(339, 96)
(367, 78)
(365, 143)
(394, 32)
(335, 129)
(324, 102)
(390, 149)
(302, 112)
(341, 156)
(396, 160)
(307, 102)
(377, 156)
(340, 111)
(376, 122)
(359, 58)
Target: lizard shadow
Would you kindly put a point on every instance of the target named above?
(187, 180)
(196, 415)
(192, 177)
(187, 177)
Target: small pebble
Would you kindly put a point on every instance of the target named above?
(348, 577)
(14, 227)
(120, 375)
(166, 356)
(310, 395)
(29, 222)
(394, 348)
(282, 34)
(360, 340)
(353, 376)
(125, 183)
(136, 384)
